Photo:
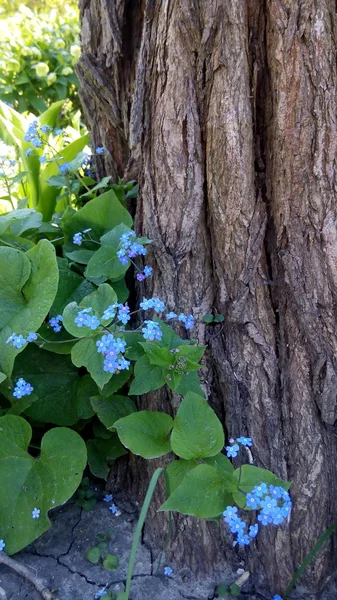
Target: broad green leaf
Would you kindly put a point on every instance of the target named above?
(93, 555)
(157, 355)
(29, 483)
(111, 562)
(177, 469)
(145, 433)
(84, 354)
(197, 431)
(110, 410)
(192, 353)
(202, 493)
(104, 263)
(190, 383)
(55, 342)
(62, 396)
(147, 377)
(221, 462)
(116, 382)
(134, 349)
(71, 288)
(102, 184)
(26, 295)
(99, 301)
(248, 476)
(81, 256)
(101, 454)
(100, 214)
(2, 377)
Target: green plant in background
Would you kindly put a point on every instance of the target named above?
(85, 495)
(37, 57)
(98, 555)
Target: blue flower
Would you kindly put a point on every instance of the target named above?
(253, 530)
(243, 540)
(232, 451)
(171, 315)
(113, 509)
(268, 504)
(100, 150)
(77, 238)
(168, 571)
(230, 513)
(29, 152)
(276, 491)
(123, 314)
(32, 337)
(45, 128)
(2, 545)
(152, 331)
(101, 593)
(110, 312)
(22, 388)
(58, 131)
(252, 501)
(245, 441)
(276, 597)
(64, 168)
(188, 320)
(18, 341)
(158, 305)
(147, 271)
(43, 159)
(264, 519)
(54, 322)
(260, 490)
(36, 513)
(83, 319)
(107, 498)
(237, 526)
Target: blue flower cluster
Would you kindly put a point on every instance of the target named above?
(274, 505)
(18, 341)
(78, 237)
(157, 305)
(100, 150)
(273, 502)
(168, 572)
(233, 449)
(129, 248)
(147, 272)
(22, 388)
(2, 545)
(188, 320)
(64, 168)
(34, 135)
(239, 527)
(113, 508)
(152, 331)
(55, 323)
(84, 319)
(113, 349)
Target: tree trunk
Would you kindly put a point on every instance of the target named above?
(225, 113)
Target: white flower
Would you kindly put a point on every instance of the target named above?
(41, 69)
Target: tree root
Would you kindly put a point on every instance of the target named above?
(24, 572)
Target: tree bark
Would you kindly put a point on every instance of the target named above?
(225, 113)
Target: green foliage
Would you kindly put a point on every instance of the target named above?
(98, 555)
(38, 53)
(43, 483)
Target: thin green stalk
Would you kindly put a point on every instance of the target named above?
(309, 558)
(140, 524)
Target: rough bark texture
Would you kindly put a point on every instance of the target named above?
(225, 112)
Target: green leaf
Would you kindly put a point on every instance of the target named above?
(208, 318)
(30, 483)
(102, 184)
(202, 493)
(177, 469)
(101, 453)
(110, 410)
(157, 355)
(111, 562)
(84, 354)
(71, 288)
(147, 377)
(190, 383)
(28, 284)
(100, 431)
(81, 256)
(222, 590)
(134, 349)
(248, 476)
(197, 431)
(192, 353)
(104, 263)
(145, 433)
(116, 382)
(94, 555)
(234, 590)
(100, 214)
(219, 318)
(62, 396)
(57, 342)
(221, 462)
(99, 301)
(2, 377)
